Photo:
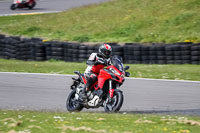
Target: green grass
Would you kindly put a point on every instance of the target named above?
(115, 21)
(178, 72)
(51, 122)
(54, 67)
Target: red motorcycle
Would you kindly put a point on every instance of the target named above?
(23, 4)
(104, 93)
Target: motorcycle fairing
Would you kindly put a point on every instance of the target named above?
(106, 74)
(23, 3)
(81, 76)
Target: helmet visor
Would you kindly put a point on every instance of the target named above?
(107, 53)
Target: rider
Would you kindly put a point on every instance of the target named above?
(24, 1)
(96, 62)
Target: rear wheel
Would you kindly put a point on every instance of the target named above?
(115, 103)
(72, 104)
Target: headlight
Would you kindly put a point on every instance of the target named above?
(114, 71)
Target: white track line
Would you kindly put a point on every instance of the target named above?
(69, 75)
(45, 74)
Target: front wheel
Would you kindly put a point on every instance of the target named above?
(114, 104)
(13, 6)
(32, 5)
(72, 104)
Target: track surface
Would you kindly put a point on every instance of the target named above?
(49, 92)
(45, 6)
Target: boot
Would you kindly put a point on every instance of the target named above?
(83, 95)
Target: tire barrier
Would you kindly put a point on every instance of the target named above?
(179, 53)
(28, 49)
(117, 50)
(75, 52)
(54, 50)
(195, 54)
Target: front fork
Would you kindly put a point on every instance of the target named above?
(111, 90)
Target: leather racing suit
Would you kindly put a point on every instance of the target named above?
(95, 63)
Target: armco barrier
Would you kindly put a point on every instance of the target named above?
(132, 53)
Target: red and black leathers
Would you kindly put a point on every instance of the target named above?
(95, 63)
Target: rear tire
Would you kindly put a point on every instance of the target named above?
(116, 103)
(71, 104)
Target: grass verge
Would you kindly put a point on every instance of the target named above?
(51, 122)
(114, 21)
(177, 72)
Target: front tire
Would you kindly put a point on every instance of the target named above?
(32, 5)
(116, 102)
(72, 104)
(13, 6)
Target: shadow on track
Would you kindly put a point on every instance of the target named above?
(26, 9)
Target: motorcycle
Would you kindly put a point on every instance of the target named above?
(23, 4)
(104, 93)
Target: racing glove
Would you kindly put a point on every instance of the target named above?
(101, 62)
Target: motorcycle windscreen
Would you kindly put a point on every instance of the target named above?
(117, 62)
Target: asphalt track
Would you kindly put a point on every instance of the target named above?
(45, 6)
(23, 91)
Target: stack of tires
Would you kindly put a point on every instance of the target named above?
(71, 52)
(128, 53)
(10, 47)
(92, 49)
(23, 51)
(48, 50)
(160, 54)
(195, 54)
(66, 52)
(144, 54)
(186, 54)
(2, 45)
(178, 54)
(136, 54)
(57, 50)
(83, 53)
(169, 51)
(2, 48)
(39, 51)
(118, 50)
(153, 55)
(6, 45)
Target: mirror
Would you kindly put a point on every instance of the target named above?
(126, 68)
(127, 74)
